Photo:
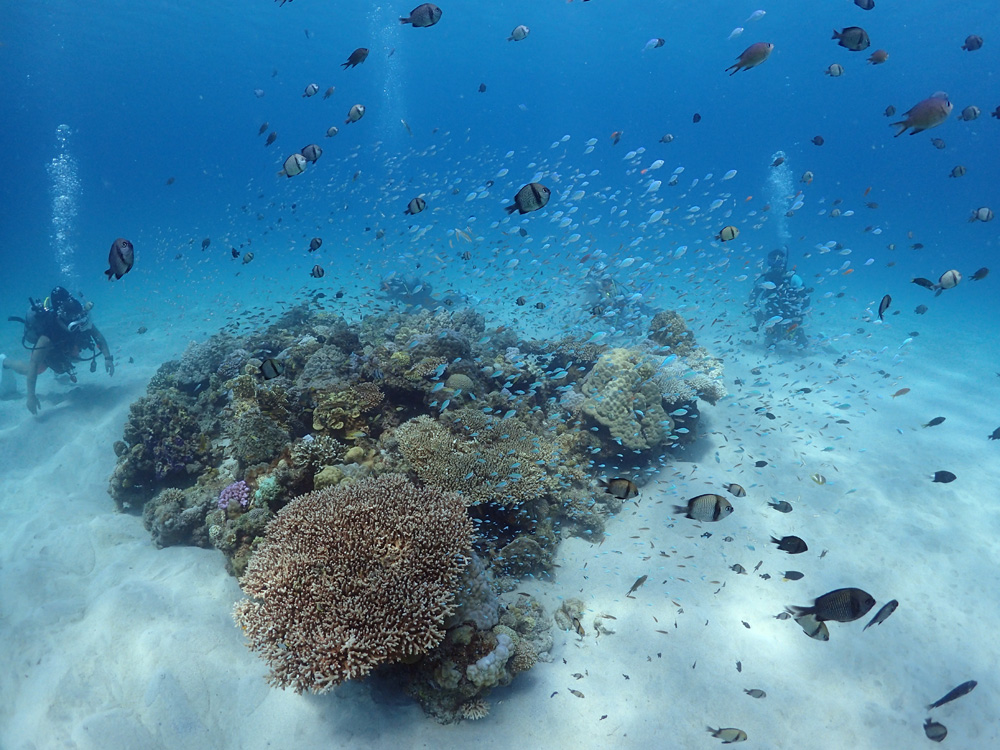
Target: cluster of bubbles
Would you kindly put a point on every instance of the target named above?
(65, 191)
(780, 189)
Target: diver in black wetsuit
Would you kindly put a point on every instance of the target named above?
(779, 293)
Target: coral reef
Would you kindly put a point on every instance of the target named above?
(352, 577)
(344, 490)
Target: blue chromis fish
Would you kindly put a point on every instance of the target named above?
(965, 687)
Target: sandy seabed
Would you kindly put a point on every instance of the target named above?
(109, 642)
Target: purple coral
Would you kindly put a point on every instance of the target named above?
(236, 492)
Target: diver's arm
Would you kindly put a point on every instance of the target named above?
(102, 345)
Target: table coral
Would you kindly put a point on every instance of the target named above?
(352, 577)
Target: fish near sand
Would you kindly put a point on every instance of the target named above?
(925, 114)
(793, 545)
(963, 689)
(815, 629)
(995, 435)
(944, 477)
(882, 615)
(638, 582)
(706, 508)
(935, 731)
(751, 57)
(728, 735)
(121, 257)
(934, 422)
(839, 605)
(619, 487)
(736, 490)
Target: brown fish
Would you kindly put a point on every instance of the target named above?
(751, 57)
(357, 57)
(901, 392)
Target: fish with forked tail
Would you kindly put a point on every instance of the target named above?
(882, 615)
(839, 605)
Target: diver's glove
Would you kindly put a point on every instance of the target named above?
(109, 364)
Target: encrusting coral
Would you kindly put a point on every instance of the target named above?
(352, 577)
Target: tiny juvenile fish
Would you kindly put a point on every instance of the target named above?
(638, 582)
(965, 687)
(901, 392)
(882, 615)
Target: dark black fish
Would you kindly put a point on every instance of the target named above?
(793, 545)
(357, 57)
(839, 605)
(234, 252)
(972, 43)
(783, 506)
(965, 687)
(205, 243)
(271, 368)
(981, 274)
(793, 575)
(935, 422)
(263, 129)
(539, 305)
(521, 301)
(315, 244)
(884, 305)
(620, 487)
(944, 477)
(853, 38)
(921, 281)
(935, 731)
(996, 434)
(482, 88)
(531, 197)
(882, 615)
(760, 464)
(889, 111)
(818, 140)
(271, 138)
(865, 4)
(696, 118)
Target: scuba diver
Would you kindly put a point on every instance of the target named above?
(607, 299)
(409, 290)
(56, 332)
(779, 302)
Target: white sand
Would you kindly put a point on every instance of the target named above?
(111, 643)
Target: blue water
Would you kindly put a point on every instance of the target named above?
(154, 92)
